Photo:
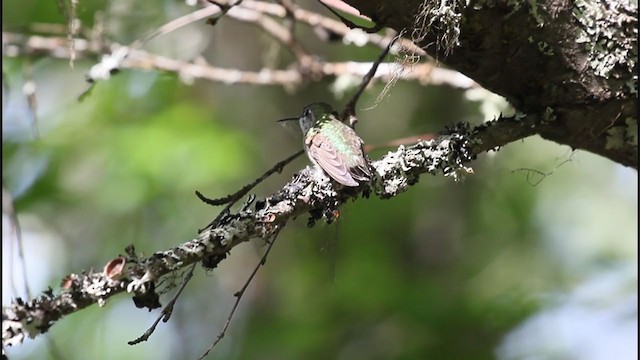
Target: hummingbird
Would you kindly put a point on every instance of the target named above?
(333, 146)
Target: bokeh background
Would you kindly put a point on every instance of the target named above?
(509, 264)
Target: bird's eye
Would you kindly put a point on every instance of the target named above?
(306, 113)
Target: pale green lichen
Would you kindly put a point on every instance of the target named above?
(609, 32)
(619, 137)
(545, 48)
(632, 130)
(534, 10)
(632, 84)
(549, 115)
(615, 138)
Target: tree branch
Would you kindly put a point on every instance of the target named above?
(576, 60)
(308, 192)
(15, 45)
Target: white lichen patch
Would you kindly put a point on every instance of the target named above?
(226, 234)
(109, 64)
(399, 169)
(282, 207)
(14, 331)
(139, 285)
(459, 174)
(193, 247)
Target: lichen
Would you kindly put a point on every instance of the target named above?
(609, 32)
(439, 17)
(632, 130)
(615, 138)
(623, 136)
(533, 7)
(545, 48)
(549, 115)
(533, 11)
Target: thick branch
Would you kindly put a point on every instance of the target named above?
(577, 60)
(309, 192)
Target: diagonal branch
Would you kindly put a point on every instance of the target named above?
(394, 173)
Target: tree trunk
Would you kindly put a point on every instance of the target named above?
(571, 63)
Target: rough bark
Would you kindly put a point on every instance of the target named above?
(307, 193)
(572, 63)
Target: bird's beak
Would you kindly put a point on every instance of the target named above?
(287, 119)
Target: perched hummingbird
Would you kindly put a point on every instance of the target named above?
(332, 145)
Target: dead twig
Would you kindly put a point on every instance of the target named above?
(238, 295)
(165, 315)
(349, 113)
(245, 189)
(233, 198)
(531, 172)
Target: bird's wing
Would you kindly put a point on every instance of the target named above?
(326, 156)
(360, 170)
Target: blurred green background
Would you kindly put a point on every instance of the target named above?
(508, 264)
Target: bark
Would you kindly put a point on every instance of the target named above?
(308, 193)
(572, 63)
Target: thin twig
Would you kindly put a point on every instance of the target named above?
(308, 65)
(330, 25)
(349, 113)
(165, 315)
(180, 22)
(242, 192)
(273, 28)
(238, 295)
(542, 175)
(230, 201)
(290, 9)
(233, 198)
